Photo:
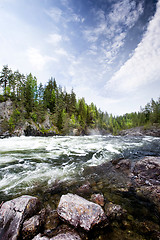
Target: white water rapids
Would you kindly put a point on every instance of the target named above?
(27, 161)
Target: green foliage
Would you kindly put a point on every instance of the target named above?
(64, 110)
(34, 116)
(14, 119)
(2, 98)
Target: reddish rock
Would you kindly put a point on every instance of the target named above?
(98, 198)
(79, 212)
(85, 188)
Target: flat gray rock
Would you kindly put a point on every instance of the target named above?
(79, 212)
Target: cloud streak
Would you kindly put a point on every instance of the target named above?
(111, 30)
(143, 67)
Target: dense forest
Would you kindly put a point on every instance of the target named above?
(33, 102)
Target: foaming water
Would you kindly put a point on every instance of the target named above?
(26, 162)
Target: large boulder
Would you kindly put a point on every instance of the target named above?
(143, 176)
(13, 213)
(79, 212)
(146, 179)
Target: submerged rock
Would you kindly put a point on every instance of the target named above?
(85, 188)
(114, 211)
(147, 179)
(51, 223)
(143, 177)
(13, 213)
(98, 198)
(79, 212)
(31, 227)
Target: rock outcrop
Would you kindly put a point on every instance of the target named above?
(141, 131)
(79, 212)
(6, 110)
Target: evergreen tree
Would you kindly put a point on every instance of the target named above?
(6, 79)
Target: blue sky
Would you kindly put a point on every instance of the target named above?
(107, 50)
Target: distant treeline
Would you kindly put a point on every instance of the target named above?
(32, 101)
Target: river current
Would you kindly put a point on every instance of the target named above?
(48, 167)
(26, 162)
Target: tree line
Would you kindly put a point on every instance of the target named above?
(33, 101)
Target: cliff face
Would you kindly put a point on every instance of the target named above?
(6, 110)
(26, 127)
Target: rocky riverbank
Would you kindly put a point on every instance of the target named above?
(94, 210)
(141, 131)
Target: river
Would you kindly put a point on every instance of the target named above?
(31, 165)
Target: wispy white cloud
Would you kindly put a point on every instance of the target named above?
(111, 30)
(55, 13)
(143, 67)
(38, 60)
(54, 38)
(125, 12)
(64, 17)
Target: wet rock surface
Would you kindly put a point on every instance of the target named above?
(114, 211)
(143, 177)
(80, 212)
(31, 227)
(98, 198)
(13, 213)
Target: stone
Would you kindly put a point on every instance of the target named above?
(143, 177)
(85, 188)
(80, 212)
(31, 227)
(147, 179)
(67, 236)
(114, 211)
(147, 171)
(40, 237)
(98, 198)
(13, 213)
(124, 165)
(51, 223)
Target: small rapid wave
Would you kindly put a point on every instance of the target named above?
(26, 162)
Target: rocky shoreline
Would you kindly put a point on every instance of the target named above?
(87, 212)
(153, 131)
